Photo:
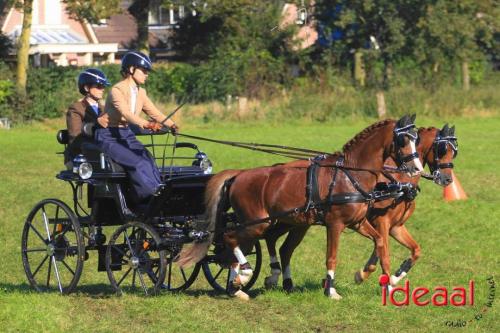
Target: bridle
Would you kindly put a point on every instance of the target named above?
(440, 147)
(399, 142)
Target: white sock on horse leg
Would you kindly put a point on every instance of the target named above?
(333, 292)
(239, 256)
(395, 279)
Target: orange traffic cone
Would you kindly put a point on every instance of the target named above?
(454, 191)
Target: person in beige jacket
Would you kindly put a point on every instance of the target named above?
(123, 107)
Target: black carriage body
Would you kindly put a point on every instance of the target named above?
(109, 194)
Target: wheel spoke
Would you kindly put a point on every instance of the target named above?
(128, 242)
(183, 275)
(169, 273)
(40, 266)
(48, 273)
(142, 282)
(152, 276)
(124, 276)
(57, 273)
(46, 222)
(38, 233)
(39, 249)
(116, 248)
(133, 279)
(69, 268)
(218, 273)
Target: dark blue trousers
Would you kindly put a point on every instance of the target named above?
(122, 146)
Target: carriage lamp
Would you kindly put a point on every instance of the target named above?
(203, 162)
(82, 167)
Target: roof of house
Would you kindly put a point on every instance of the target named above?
(62, 35)
(120, 28)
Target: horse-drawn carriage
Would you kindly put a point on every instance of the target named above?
(224, 216)
(146, 237)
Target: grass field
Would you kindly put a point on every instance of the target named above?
(460, 242)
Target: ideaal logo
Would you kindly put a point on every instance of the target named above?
(459, 296)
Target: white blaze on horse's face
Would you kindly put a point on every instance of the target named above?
(415, 164)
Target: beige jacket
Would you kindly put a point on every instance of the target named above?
(118, 107)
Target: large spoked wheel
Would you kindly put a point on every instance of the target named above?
(135, 262)
(178, 279)
(217, 273)
(52, 247)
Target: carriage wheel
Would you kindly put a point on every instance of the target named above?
(134, 261)
(52, 247)
(178, 279)
(217, 274)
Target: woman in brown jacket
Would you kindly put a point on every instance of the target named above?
(123, 107)
(89, 109)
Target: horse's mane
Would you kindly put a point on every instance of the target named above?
(364, 133)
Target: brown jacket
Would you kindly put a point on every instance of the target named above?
(119, 111)
(78, 114)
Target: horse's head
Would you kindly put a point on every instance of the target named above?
(440, 155)
(404, 139)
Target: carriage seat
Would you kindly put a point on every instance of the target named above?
(90, 150)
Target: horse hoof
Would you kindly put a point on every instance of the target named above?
(270, 282)
(288, 285)
(358, 277)
(334, 295)
(240, 294)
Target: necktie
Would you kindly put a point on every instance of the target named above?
(95, 107)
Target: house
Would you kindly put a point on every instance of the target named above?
(57, 39)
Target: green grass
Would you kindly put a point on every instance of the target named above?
(459, 242)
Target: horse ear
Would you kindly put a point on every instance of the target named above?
(445, 130)
(452, 130)
(403, 121)
(413, 117)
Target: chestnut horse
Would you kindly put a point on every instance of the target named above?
(436, 148)
(259, 196)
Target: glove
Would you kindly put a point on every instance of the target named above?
(153, 126)
(174, 129)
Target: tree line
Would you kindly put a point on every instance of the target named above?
(249, 52)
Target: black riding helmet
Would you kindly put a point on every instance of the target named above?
(136, 59)
(89, 77)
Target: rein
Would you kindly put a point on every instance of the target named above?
(285, 151)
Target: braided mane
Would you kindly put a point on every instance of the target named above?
(364, 133)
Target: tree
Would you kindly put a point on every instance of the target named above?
(92, 11)
(457, 32)
(140, 10)
(23, 47)
(240, 39)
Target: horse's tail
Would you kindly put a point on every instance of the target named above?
(214, 192)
